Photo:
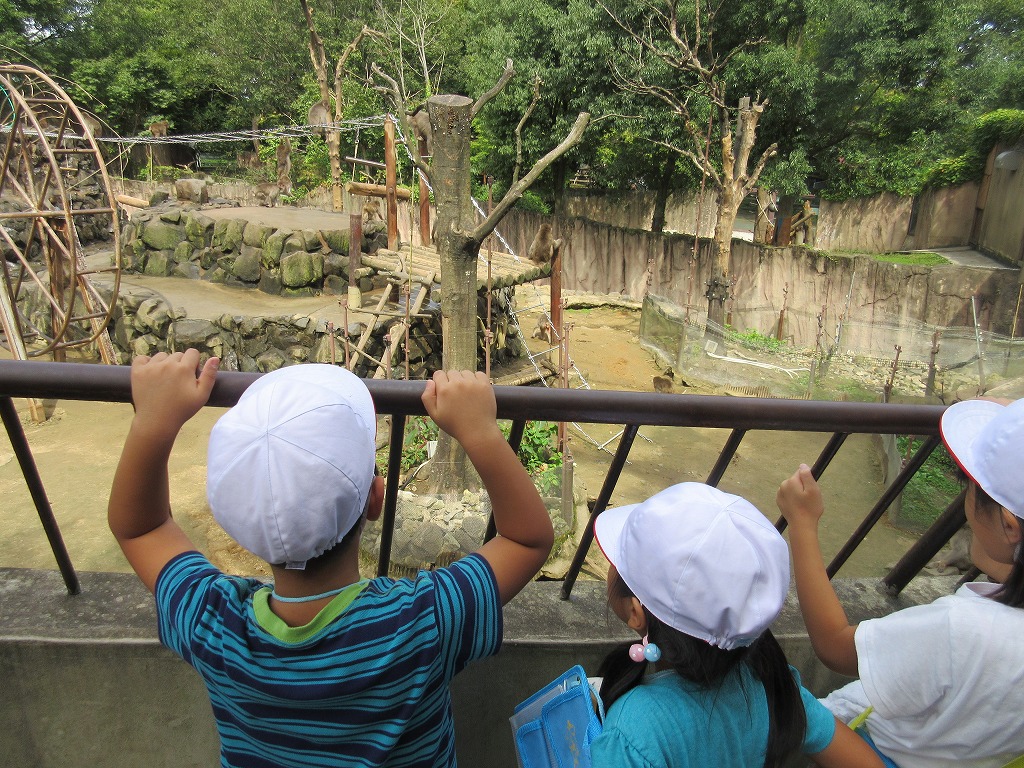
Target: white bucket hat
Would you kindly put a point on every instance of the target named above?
(289, 468)
(705, 562)
(986, 439)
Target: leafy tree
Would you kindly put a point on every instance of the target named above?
(673, 59)
(144, 61)
(40, 33)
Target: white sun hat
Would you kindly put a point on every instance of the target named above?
(987, 439)
(703, 561)
(289, 467)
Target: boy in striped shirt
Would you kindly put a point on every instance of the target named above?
(322, 668)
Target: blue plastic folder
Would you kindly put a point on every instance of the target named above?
(555, 727)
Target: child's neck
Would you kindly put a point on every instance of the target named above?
(322, 587)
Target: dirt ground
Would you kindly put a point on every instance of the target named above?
(76, 452)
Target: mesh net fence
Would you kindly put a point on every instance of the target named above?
(848, 358)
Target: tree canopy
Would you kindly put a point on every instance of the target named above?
(862, 95)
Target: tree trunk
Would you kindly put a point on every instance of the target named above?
(450, 118)
(661, 193)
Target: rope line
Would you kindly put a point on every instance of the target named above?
(291, 131)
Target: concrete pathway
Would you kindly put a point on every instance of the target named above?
(965, 256)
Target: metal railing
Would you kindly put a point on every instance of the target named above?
(401, 399)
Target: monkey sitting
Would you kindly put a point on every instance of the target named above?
(543, 248)
(543, 330)
(267, 194)
(371, 211)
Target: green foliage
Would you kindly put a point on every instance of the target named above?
(163, 173)
(539, 454)
(931, 489)
(788, 175)
(537, 450)
(754, 339)
(1003, 126)
(418, 432)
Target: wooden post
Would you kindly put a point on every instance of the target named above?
(355, 243)
(391, 182)
(425, 238)
(556, 299)
(929, 385)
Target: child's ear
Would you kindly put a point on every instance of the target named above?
(375, 502)
(1011, 526)
(637, 619)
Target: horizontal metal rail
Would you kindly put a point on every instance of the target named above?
(78, 381)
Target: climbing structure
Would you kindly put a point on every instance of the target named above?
(53, 185)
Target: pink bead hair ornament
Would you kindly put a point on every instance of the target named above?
(644, 652)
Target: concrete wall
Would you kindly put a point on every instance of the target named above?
(944, 217)
(598, 258)
(875, 224)
(86, 682)
(1001, 231)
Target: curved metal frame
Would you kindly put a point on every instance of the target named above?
(37, 116)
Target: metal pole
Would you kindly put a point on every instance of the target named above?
(35, 486)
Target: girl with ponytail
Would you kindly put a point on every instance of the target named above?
(700, 575)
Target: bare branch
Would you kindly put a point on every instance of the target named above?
(519, 128)
(339, 69)
(316, 54)
(516, 190)
(705, 168)
(392, 89)
(768, 154)
(498, 86)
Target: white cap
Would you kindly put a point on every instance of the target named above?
(290, 467)
(986, 439)
(703, 561)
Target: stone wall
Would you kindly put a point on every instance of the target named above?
(169, 240)
(144, 323)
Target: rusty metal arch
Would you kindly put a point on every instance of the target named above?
(48, 152)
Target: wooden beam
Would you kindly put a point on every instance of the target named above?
(375, 190)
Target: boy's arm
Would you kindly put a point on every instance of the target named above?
(166, 393)
(462, 404)
(799, 500)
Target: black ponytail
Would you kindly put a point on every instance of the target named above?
(706, 665)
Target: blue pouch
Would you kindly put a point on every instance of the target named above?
(555, 726)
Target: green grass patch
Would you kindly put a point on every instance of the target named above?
(916, 258)
(931, 490)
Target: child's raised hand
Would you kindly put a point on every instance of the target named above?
(799, 498)
(168, 389)
(462, 404)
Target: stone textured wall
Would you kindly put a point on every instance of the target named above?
(169, 240)
(144, 323)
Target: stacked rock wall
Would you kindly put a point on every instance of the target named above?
(182, 242)
(144, 324)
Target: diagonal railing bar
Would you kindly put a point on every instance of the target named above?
(888, 497)
(949, 522)
(387, 523)
(728, 451)
(77, 381)
(38, 493)
(818, 468)
(629, 433)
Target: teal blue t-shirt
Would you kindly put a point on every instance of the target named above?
(668, 721)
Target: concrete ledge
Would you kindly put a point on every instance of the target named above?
(86, 681)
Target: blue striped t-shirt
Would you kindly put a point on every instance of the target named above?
(364, 684)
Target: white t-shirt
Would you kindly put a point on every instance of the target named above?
(946, 681)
